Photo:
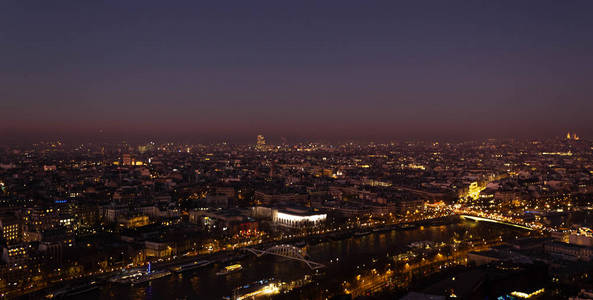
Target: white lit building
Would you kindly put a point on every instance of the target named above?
(294, 218)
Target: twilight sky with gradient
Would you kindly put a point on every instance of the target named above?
(228, 70)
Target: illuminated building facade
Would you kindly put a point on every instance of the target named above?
(45, 218)
(297, 219)
(157, 249)
(16, 254)
(11, 230)
(133, 221)
(474, 190)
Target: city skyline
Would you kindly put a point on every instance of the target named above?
(315, 150)
(169, 220)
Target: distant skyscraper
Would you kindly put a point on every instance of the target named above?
(261, 142)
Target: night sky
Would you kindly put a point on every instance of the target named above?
(228, 70)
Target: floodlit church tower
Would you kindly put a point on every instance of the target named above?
(574, 136)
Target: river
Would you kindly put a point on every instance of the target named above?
(343, 259)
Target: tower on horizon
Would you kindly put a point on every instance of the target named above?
(574, 136)
(261, 142)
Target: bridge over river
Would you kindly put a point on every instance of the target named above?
(288, 251)
(476, 218)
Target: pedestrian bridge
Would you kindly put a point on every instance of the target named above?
(288, 251)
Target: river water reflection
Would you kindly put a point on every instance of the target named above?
(341, 258)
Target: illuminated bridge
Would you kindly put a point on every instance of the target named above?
(288, 251)
(475, 218)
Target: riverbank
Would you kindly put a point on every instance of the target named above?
(344, 259)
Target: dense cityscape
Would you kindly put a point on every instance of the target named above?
(401, 219)
(299, 150)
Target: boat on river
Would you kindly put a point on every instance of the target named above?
(150, 276)
(137, 276)
(230, 269)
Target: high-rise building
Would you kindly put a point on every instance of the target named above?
(261, 142)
